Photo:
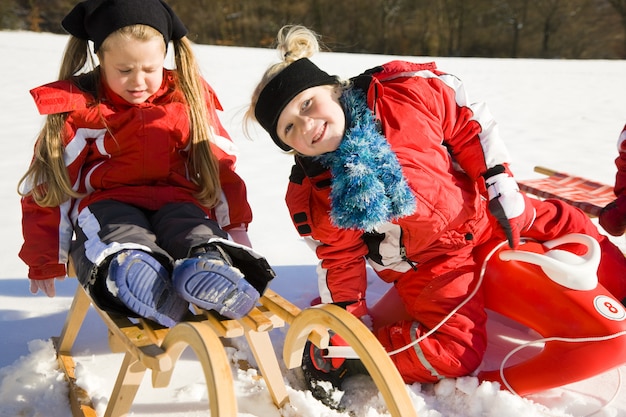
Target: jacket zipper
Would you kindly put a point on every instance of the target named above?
(405, 258)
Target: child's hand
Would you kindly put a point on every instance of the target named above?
(45, 285)
(613, 216)
(240, 235)
(509, 207)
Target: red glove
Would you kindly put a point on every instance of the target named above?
(613, 216)
(509, 207)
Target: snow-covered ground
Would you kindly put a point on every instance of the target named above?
(562, 114)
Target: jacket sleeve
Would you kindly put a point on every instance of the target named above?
(470, 132)
(47, 235)
(620, 162)
(341, 273)
(424, 107)
(233, 210)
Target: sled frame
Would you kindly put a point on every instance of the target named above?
(588, 195)
(149, 346)
(146, 345)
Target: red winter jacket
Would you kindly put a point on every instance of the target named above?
(131, 153)
(443, 143)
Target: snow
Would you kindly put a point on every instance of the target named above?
(558, 113)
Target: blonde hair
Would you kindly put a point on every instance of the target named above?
(47, 179)
(293, 42)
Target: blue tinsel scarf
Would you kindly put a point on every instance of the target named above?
(368, 187)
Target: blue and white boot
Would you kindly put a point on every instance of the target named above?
(209, 281)
(143, 284)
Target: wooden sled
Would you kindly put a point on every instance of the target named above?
(589, 196)
(147, 345)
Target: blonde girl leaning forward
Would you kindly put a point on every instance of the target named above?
(399, 168)
(133, 174)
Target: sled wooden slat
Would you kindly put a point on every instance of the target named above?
(588, 195)
(288, 312)
(224, 328)
(283, 308)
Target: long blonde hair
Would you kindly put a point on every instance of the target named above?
(292, 43)
(47, 179)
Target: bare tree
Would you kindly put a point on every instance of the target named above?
(390, 10)
(620, 6)
(515, 13)
(452, 14)
(551, 13)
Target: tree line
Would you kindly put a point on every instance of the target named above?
(573, 29)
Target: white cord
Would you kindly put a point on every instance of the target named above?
(333, 352)
(481, 277)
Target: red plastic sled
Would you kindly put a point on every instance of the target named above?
(555, 293)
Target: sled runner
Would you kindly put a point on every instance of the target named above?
(590, 196)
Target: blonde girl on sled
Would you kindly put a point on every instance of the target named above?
(133, 174)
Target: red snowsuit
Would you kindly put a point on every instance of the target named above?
(136, 154)
(443, 143)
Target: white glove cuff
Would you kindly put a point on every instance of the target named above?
(501, 184)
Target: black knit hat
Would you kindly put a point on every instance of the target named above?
(94, 20)
(281, 89)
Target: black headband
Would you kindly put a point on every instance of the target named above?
(281, 89)
(94, 20)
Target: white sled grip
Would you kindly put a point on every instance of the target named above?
(563, 267)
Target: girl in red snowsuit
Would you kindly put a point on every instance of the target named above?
(398, 167)
(133, 174)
